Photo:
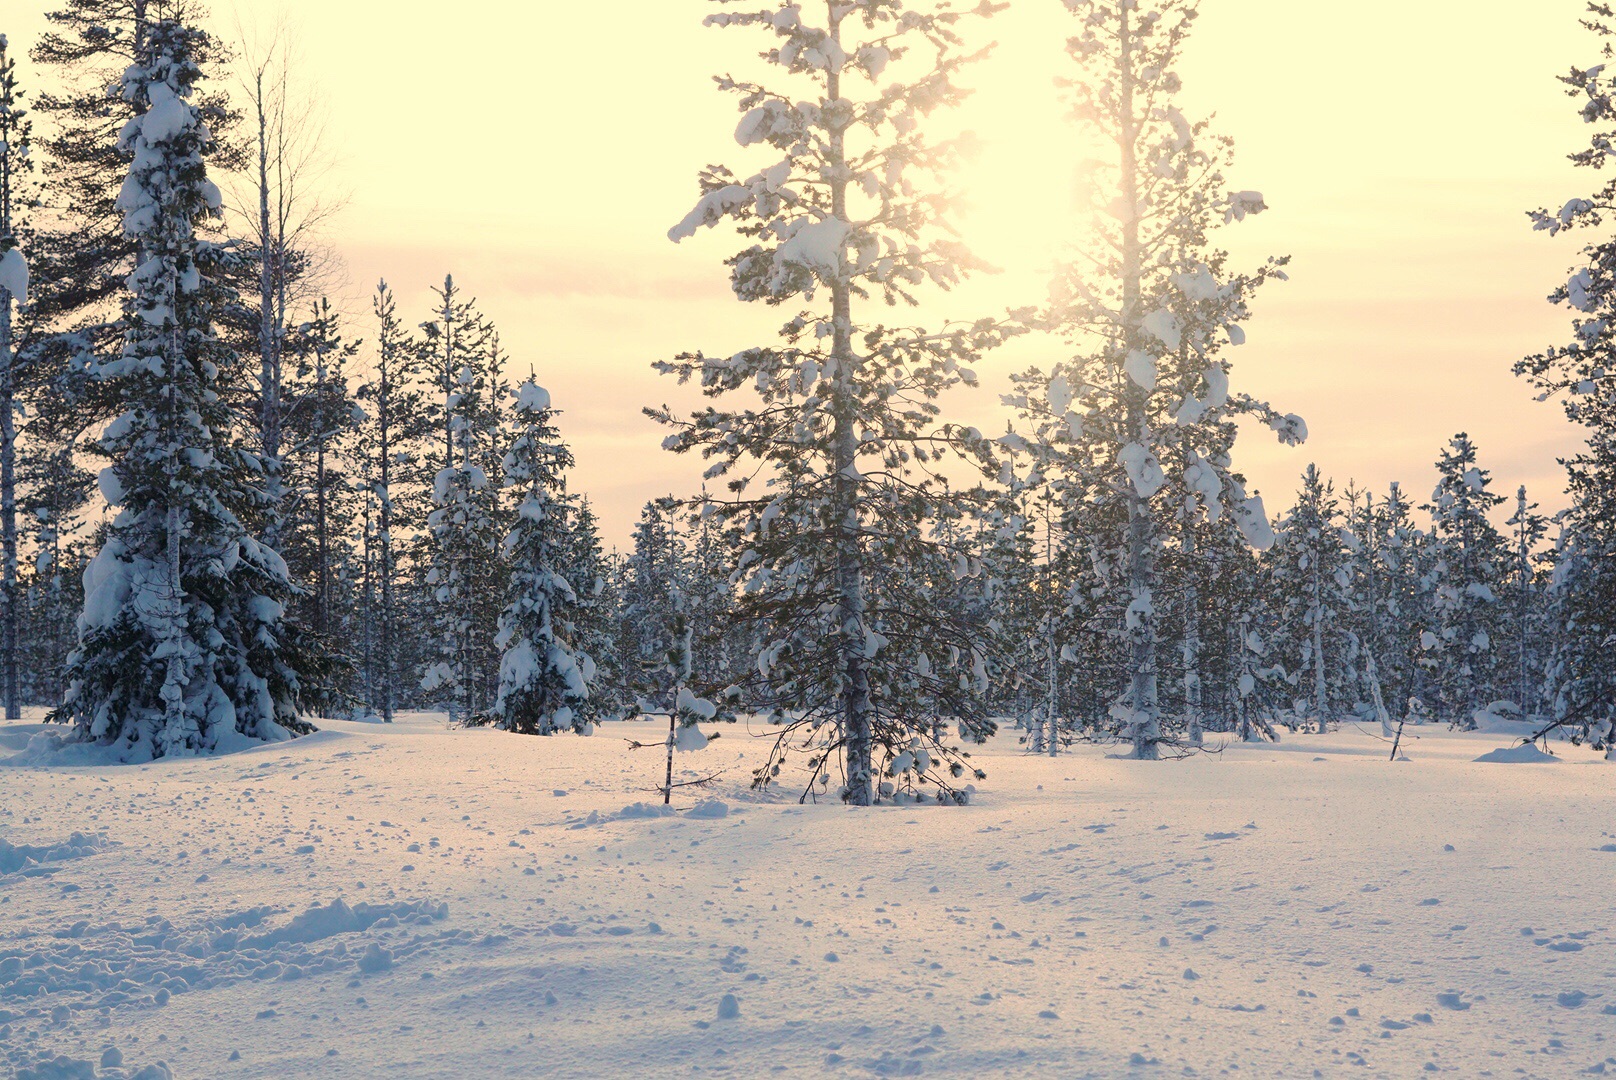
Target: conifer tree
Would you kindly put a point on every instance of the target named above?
(54, 487)
(1523, 659)
(182, 642)
(829, 476)
(15, 164)
(320, 429)
(1151, 309)
(544, 678)
(1464, 575)
(1310, 600)
(596, 615)
(466, 523)
(1582, 375)
(391, 449)
(1390, 599)
(654, 574)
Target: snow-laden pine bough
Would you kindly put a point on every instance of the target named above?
(831, 470)
(1142, 419)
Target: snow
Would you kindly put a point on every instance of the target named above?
(1524, 754)
(1144, 470)
(1141, 368)
(1060, 395)
(1163, 325)
(817, 246)
(353, 905)
(1252, 518)
(14, 275)
(531, 397)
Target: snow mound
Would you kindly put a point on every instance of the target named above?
(62, 1067)
(60, 749)
(1524, 754)
(318, 923)
(30, 861)
(645, 810)
(708, 808)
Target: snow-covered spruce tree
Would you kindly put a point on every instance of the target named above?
(466, 524)
(1226, 584)
(1463, 578)
(320, 428)
(1310, 600)
(654, 573)
(829, 465)
(15, 163)
(1151, 309)
(544, 678)
(1362, 580)
(711, 599)
(1582, 375)
(182, 642)
(391, 449)
(1020, 557)
(1389, 599)
(599, 594)
(1523, 646)
(54, 488)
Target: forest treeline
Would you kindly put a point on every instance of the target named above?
(225, 509)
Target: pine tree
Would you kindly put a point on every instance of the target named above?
(83, 261)
(1152, 308)
(466, 523)
(54, 486)
(182, 642)
(856, 669)
(15, 164)
(1310, 600)
(320, 428)
(596, 615)
(391, 449)
(277, 212)
(654, 574)
(707, 565)
(544, 678)
(1391, 599)
(1582, 375)
(1464, 575)
(1523, 659)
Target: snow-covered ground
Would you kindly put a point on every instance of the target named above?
(414, 901)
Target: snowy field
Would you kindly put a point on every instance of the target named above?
(411, 901)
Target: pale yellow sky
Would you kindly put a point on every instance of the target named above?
(540, 151)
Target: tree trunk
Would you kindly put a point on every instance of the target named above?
(384, 405)
(1192, 637)
(1320, 706)
(174, 678)
(269, 419)
(1145, 722)
(8, 502)
(8, 455)
(322, 598)
(857, 708)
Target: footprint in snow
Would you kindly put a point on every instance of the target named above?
(1452, 1000)
(1222, 836)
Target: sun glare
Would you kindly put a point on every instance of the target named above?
(1018, 200)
